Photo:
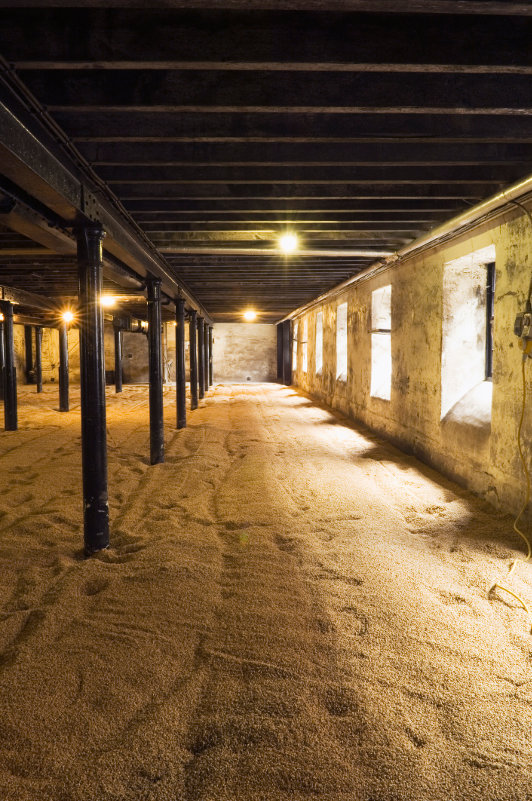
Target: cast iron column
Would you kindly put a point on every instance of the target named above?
(210, 356)
(118, 359)
(38, 357)
(201, 358)
(64, 404)
(92, 363)
(2, 357)
(156, 372)
(180, 384)
(28, 349)
(192, 326)
(287, 353)
(10, 372)
(206, 356)
(280, 353)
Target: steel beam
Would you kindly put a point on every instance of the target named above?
(28, 354)
(92, 362)
(210, 357)
(279, 352)
(38, 357)
(2, 357)
(206, 356)
(201, 357)
(30, 165)
(118, 358)
(64, 401)
(156, 372)
(287, 352)
(180, 363)
(193, 357)
(10, 371)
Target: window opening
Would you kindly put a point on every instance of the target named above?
(467, 337)
(490, 310)
(319, 342)
(341, 342)
(304, 346)
(381, 343)
(294, 346)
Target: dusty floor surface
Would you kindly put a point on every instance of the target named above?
(291, 609)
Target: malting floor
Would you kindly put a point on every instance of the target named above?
(290, 609)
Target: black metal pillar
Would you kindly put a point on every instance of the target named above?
(64, 403)
(118, 359)
(201, 358)
(206, 355)
(2, 357)
(92, 363)
(287, 352)
(210, 356)
(28, 349)
(38, 357)
(280, 352)
(10, 372)
(192, 328)
(156, 372)
(180, 383)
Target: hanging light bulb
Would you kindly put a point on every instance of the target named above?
(288, 243)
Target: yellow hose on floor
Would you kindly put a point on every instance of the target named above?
(517, 520)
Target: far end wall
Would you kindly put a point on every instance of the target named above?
(244, 352)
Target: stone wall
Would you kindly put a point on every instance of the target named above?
(50, 354)
(244, 352)
(472, 443)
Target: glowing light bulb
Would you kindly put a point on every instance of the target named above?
(107, 301)
(250, 315)
(288, 242)
(1, 318)
(67, 316)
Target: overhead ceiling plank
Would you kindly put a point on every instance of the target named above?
(163, 155)
(204, 126)
(225, 36)
(270, 91)
(447, 7)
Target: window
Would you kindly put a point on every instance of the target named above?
(467, 333)
(341, 342)
(304, 346)
(490, 310)
(294, 346)
(381, 343)
(319, 342)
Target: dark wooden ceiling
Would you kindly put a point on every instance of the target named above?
(218, 128)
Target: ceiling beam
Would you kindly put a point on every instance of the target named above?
(346, 174)
(447, 7)
(164, 155)
(254, 191)
(204, 126)
(293, 205)
(242, 39)
(182, 91)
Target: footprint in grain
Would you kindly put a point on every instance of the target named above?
(360, 626)
(340, 701)
(95, 586)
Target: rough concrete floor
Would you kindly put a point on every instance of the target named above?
(290, 609)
